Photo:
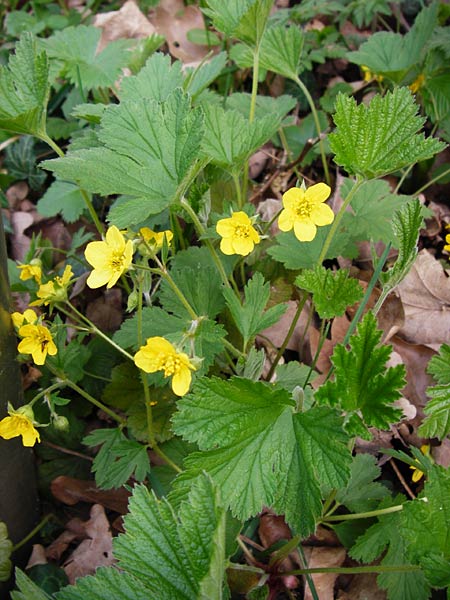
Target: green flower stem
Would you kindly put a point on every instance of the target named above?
(234, 351)
(424, 187)
(355, 570)
(251, 117)
(94, 329)
(95, 402)
(310, 101)
(201, 231)
(48, 390)
(324, 328)
(237, 186)
(329, 501)
(32, 533)
(54, 146)
(363, 515)
(283, 346)
(337, 220)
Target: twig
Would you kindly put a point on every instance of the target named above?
(409, 491)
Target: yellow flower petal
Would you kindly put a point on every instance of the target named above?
(321, 214)
(292, 196)
(181, 381)
(318, 192)
(225, 227)
(15, 425)
(226, 246)
(305, 231)
(115, 239)
(243, 246)
(97, 278)
(286, 220)
(96, 256)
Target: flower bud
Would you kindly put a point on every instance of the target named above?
(60, 423)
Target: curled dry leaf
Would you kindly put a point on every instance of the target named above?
(38, 556)
(323, 582)
(173, 20)
(128, 22)
(93, 552)
(16, 193)
(71, 491)
(20, 243)
(277, 333)
(441, 454)
(425, 293)
(363, 587)
(106, 312)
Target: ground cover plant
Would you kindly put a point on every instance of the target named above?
(229, 265)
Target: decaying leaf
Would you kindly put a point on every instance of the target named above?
(323, 582)
(128, 22)
(425, 293)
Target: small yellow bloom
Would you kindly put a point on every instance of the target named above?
(20, 422)
(447, 245)
(28, 317)
(37, 341)
(417, 83)
(369, 75)
(55, 290)
(110, 258)
(238, 234)
(155, 240)
(160, 355)
(303, 210)
(32, 270)
(418, 474)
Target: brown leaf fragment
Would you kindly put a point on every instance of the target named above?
(57, 548)
(106, 312)
(128, 22)
(38, 556)
(363, 587)
(16, 193)
(441, 454)
(324, 582)
(93, 552)
(277, 333)
(425, 293)
(71, 491)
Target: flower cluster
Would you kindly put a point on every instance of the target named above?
(160, 355)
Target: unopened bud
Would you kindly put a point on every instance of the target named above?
(61, 423)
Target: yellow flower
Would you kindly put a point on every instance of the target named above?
(55, 290)
(417, 83)
(447, 245)
(303, 210)
(238, 234)
(418, 474)
(110, 258)
(31, 271)
(369, 76)
(160, 355)
(155, 240)
(29, 317)
(20, 422)
(37, 341)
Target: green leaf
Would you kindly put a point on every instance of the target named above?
(20, 161)
(19, 21)
(242, 19)
(195, 543)
(437, 422)
(333, 291)
(200, 78)
(304, 255)
(28, 590)
(265, 105)
(250, 316)
(6, 547)
(383, 137)
(426, 521)
(392, 54)
(62, 197)
(155, 322)
(388, 533)
(74, 55)
(229, 137)
(406, 224)
(373, 207)
(439, 365)
(24, 89)
(106, 581)
(362, 493)
(155, 81)
(281, 50)
(118, 459)
(362, 381)
(258, 451)
(291, 375)
(148, 149)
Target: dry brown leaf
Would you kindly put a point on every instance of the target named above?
(93, 552)
(277, 333)
(128, 22)
(16, 193)
(363, 587)
(323, 582)
(173, 20)
(71, 491)
(425, 293)
(106, 312)
(60, 545)
(38, 556)
(20, 243)
(441, 454)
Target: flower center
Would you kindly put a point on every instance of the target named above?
(43, 341)
(241, 231)
(117, 261)
(170, 364)
(303, 208)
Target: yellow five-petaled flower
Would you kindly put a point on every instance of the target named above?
(110, 258)
(55, 290)
(158, 354)
(304, 210)
(32, 270)
(37, 341)
(20, 422)
(238, 234)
